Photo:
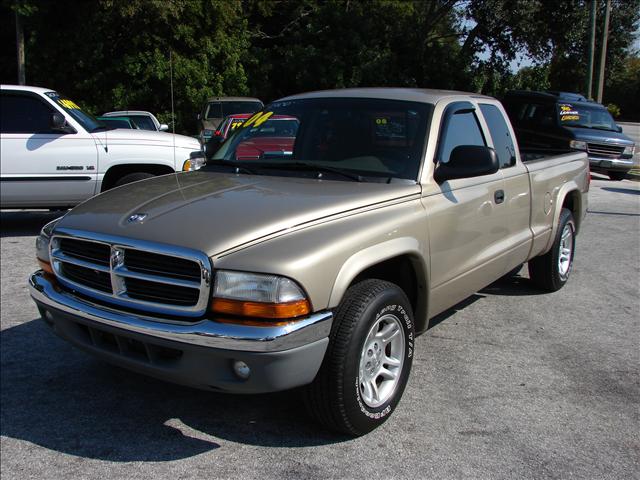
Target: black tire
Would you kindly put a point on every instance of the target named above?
(546, 270)
(335, 398)
(133, 177)
(617, 176)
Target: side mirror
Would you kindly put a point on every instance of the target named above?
(59, 124)
(163, 127)
(468, 161)
(618, 128)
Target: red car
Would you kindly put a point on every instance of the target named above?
(277, 134)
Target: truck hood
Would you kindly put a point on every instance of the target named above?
(125, 136)
(214, 212)
(599, 136)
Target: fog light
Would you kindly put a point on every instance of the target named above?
(241, 369)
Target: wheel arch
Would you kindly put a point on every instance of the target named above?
(116, 172)
(569, 197)
(399, 261)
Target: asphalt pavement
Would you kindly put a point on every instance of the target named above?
(512, 383)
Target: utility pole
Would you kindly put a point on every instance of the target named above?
(20, 49)
(592, 47)
(603, 52)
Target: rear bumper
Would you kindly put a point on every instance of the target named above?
(199, 354)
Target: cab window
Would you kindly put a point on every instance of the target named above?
(463, 129)
(502, 141)
(24, 114)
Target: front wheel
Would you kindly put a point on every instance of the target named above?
(551, 270)
(133, 177)
(617, 176)
(368, 360)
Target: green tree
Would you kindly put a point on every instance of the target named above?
(111, 54)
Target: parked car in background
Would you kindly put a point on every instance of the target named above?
(274, 134)
(216, 109)
(140, 119)
(55, 155)
(557, 121)
(116, 122)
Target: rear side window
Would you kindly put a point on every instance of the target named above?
(463, 129)
(540, 114)
(24, 114)
(502, 141)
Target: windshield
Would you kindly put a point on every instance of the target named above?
(357, 136)
(223, 109)
(88, 121)
(586, 116)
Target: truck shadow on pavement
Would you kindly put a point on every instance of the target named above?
(59, 398)
(25, 223)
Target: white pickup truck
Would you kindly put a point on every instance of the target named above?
(54, 155)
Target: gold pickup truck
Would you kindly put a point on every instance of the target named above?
(317, 263)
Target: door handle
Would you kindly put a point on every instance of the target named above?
(498, 196)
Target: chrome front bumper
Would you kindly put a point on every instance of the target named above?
(200, 354)
(205, 333)
(610, 163)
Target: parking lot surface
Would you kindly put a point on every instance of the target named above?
(512, 383)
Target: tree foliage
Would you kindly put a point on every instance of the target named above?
(115, 54)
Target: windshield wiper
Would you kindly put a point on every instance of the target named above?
(603, 128)
(101, 128)
(228, 163)
(596, 128)
(310, 167)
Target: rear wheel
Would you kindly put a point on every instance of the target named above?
(617, 175)
(133, 177)
(551, 270)
(368, 360)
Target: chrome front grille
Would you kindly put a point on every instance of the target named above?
(605, 150)
(139, 275)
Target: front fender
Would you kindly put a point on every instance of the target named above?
(368, 257)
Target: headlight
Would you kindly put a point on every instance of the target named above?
(630, 150)
(578, 145)
(42, 245)
(195, 162)
(258, 295)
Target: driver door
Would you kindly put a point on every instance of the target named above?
(466, 218)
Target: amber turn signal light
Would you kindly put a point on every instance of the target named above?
(46, 266)
(261, 310)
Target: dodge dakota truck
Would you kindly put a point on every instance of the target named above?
(55, 155)
(316, 267)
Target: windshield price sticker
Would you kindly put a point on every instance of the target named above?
(68, 104)
(568, 113)
(258, 119)
(236, 124)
